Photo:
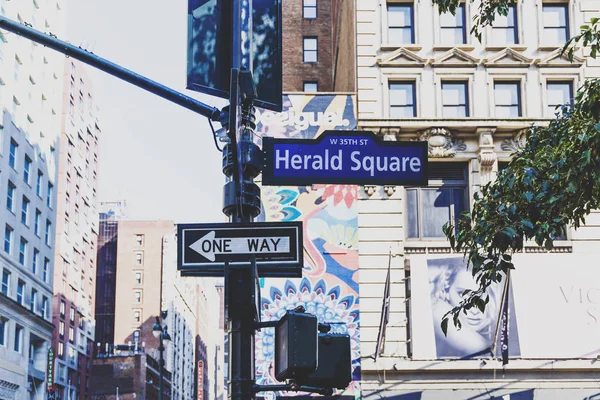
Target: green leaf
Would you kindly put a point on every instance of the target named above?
(445, 326)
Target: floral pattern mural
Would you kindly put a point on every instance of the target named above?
(329, 285)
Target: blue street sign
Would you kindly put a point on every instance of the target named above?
(347, 157)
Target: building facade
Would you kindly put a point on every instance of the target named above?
(127, 375)
(421, 76)
(193, 308)
(31, 81)
(318, 46)
(77, 236)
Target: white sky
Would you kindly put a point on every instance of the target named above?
(156, 155)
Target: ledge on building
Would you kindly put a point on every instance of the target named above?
(390, 46)
(406, 365)
(412, 124)
(444, 47)
(515, 47)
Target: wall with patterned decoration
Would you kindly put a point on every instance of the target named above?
(329, 285)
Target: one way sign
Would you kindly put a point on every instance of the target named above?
(203, 249)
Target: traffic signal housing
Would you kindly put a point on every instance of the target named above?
(295, 345)
(334, 363)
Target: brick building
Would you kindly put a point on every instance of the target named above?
(127, 376)
(318, 46)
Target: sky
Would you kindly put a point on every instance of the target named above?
(154, 154)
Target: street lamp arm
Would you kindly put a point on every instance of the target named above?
(111, 68)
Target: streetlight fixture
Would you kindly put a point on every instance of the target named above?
(161, 333)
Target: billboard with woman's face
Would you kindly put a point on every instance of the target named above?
(437, 286)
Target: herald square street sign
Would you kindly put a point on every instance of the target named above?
(204, 249)
(346, 157)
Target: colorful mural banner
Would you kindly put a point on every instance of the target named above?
(329, 286)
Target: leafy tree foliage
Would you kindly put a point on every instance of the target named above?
(553, 181)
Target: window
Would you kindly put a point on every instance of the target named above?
(38, 184)
(46, 271)
(137, 296)
(139, 257)
(62, 308)
(311, 86)
(25, 210)
(20, 292)
(455, 99)
(138, 277)
(72, 314)
(3, 332)
(45, 307)
(36, 223)
(6, 283)
(12, 155)
(556, 23)
(402, 100)
(50, 193)
(61, 349)
(507, 98)
(61, 329)
(17, 68)
(33, 301)
(18, 338)
(309, 9)
(10, 196)
(22, 251)
(504, 29)
(429, 208)
(34, 264)
(453, 29)
(139, 240)
(71, 334)
(48, 232)
(26, 169)
(310, 50)
(400, 23)
(8, 234)
(137, 316)
(559, 93)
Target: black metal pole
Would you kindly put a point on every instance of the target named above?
(110, 68)
(161, 349)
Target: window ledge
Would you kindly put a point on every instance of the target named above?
(463, 47)
(427, 247)
(409, 46)
(550, 47)
(514, 47)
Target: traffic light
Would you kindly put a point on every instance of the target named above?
(334, 363)
(295, 345)
(250, 159)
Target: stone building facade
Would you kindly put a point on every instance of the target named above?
(421, 76)
(31, 81)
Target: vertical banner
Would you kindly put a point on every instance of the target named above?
(50, 370)
(200, 380)
(504, 325)
(329, 286)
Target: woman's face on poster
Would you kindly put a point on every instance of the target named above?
(463, 281)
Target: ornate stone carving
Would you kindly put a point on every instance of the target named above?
(487, 155)
(389, 190)
(441, 142)
(370, 189)
(517, 142)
